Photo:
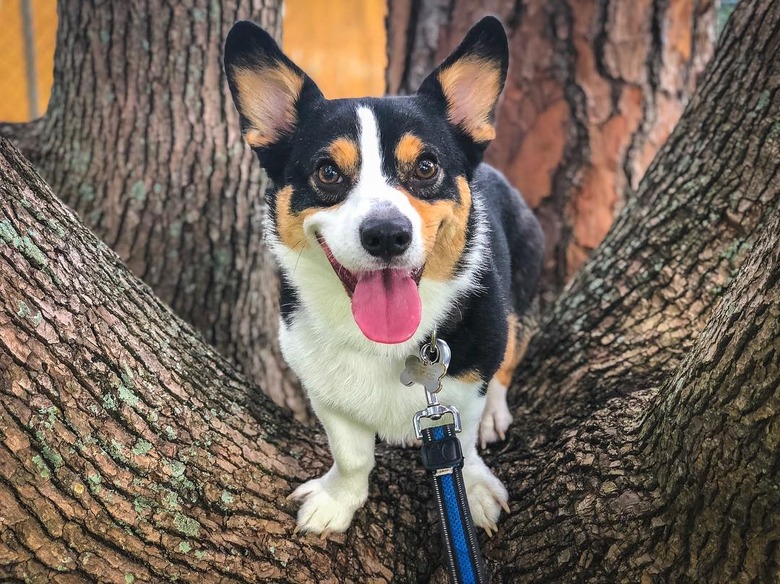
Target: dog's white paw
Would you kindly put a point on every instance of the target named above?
(487, 496)
(325, 508)
(496, 417)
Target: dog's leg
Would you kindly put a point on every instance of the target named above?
(330, 501)
(486, 493)
(496, 417)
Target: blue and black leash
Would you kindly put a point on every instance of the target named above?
(442, 456)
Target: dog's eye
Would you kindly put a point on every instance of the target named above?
(328, 174)
(426, 168)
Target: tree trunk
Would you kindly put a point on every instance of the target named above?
(142, 141)
(594, 89)
(648, 413)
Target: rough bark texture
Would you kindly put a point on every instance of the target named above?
(142, 141)
(130, 451)
(594, 89)
(647, 416)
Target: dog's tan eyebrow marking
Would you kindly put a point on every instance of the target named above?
(345, 154)
(444, 226)
(408, 149)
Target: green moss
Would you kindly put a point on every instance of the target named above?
(109, 402)
(86, 192)
(200, 554)
(23, 311)
(141, 505)
(138, 191)
(115, 447)
(49, 416)
(23, 244)
(763, 100)
(127, 396)
(129, 578)
(184, 547)
(170, 432)
(171, 500)
(186, 525)
(141, 447)
(126, 386)
(177, 469)
(227, 497)
(43, 470)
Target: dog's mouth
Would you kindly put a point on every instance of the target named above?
(385, 303)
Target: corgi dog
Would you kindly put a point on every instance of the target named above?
(387, 227)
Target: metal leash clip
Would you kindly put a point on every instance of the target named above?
(428, 369)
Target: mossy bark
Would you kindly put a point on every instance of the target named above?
(647, 415)
(141, 139)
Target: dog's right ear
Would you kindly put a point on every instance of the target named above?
(267, 87)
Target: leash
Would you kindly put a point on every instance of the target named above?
(442, 456)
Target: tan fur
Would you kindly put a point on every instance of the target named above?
(469, 376)
(408, 150)
(289, 225)
(444, 231)
(471, 86)
(520, 333)
(345, 154)
(266, 97)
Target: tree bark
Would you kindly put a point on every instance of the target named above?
(594, 89)
(142, 141)
(648, 414)
(130, 451)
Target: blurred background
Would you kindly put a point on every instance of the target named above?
(28, 30)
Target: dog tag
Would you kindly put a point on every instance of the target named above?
(425, 370)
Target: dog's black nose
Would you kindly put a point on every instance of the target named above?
(386, 237)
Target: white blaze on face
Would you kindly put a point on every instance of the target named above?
(340, 226)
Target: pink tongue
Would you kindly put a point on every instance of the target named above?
(386, 306)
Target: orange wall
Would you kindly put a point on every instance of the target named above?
(339, 43)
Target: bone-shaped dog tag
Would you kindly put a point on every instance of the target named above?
(427, 373)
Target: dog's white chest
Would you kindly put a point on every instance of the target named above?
(365, 387)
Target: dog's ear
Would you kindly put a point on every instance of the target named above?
(268, 89)
(470, 80)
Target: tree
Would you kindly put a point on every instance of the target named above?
(142, 141)
(648, 411)
(594, 89)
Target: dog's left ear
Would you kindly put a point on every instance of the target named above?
(470, 80)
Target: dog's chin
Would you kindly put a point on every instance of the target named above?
(385, 301)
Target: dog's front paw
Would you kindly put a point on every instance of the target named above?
(487, 496)
(324, 508)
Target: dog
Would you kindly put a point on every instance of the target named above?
(387, 226)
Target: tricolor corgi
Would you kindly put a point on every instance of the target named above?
(387, 226)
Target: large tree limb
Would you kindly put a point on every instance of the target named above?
(127, 446)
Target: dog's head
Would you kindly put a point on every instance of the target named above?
(369, 196)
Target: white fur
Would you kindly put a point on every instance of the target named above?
(352, 382)
(496, 417)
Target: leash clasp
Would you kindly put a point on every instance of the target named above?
(435, 411)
